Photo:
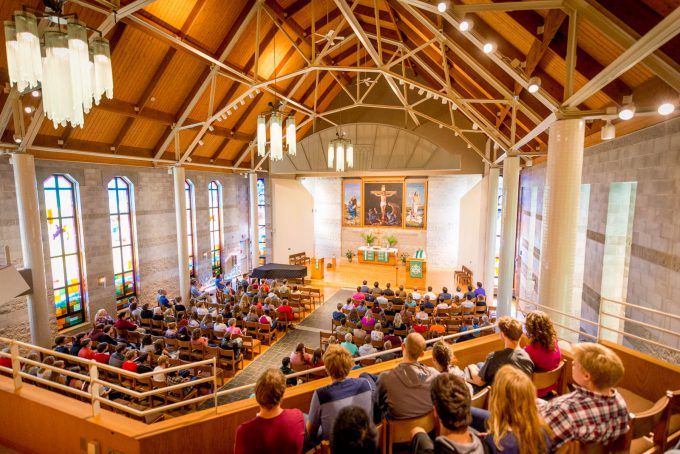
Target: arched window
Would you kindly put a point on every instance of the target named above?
(214, 209)
(191, 226)
(65, 251)
(122, 239)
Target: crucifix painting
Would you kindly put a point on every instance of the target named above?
(384, 203)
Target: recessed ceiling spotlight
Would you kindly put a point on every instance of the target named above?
(442, 6)
(443, 100)
(469, 145)
(200, 143)
(35, 93)
(627, 112)
(429, 95)
(608, 131)
(474, 126)
(666, 109)
(456, 133)
(211, 128)
(421, 91)
(243, 102)
(401, 81)
(454, 107)
(28, 109)
(440, 126)
(228, 113)
(250, 95)
(489, 48)
(534, 84)
(235, 106)
(465, 25)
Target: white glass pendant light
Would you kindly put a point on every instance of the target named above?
(81, 67)
(11, 48)
(57, 93)
(291, 139)
(25, 59)
(331, 154)
(261, 135)
(350, 155)
(103, 74)
(276, 137)
(340, 156)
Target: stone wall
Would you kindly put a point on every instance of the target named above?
(651, 158)
(155, 231)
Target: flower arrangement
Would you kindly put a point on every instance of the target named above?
(350, 255)
(369, 238)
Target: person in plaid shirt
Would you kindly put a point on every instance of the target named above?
(595, 412)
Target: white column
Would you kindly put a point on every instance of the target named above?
(508, 235)
(254, 243)
(561, 214)
(31, 247)
(179, 179)
(491, 222)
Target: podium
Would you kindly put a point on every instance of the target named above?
(416, 272)
(317, 268)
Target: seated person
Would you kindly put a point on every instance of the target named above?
(354, 316)
(398, 323)
(415, 294)
(342, 392)
(510, 331)
(86, 351)
(426, 304)
(404, 392)
(388, 291)
(171, 332)
(362, 308)
(360, 333)
(370, 298)
(459, 293)
(343, 329)
(392, 339)
(377, 335)
(285, 308)
(287, 370)
(410, 302)
(157, 313)
(441, 304)
(338, 314)
(481, 301)
(376, 290)
(359, 295)
(102, 317)
(367, 349)
(195, 292)
(179, 306)
(349, 346)
(595, 412)
(452, 403)
(125, 325)
(163, 299)
(380, 299)
(389, 356)
(470, 292)
(389, 310)
(118, 357)
(468, 303)
(60, 345)
(444, 360)
(219, 326)
(368, 321)
(364, 287)
(354, 432)
(437, 326)
(514, 425)
(444, 295)
(300, 358)
(349, 305)
(430, 294)
(146, 312)
(273, 429)
(419, 327)
(543, 349)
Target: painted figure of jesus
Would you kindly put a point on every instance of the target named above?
(415, 203)
(384, 195)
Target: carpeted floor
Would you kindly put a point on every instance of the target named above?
(306, 332)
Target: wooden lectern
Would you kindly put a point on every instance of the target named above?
(416, 273)
(317, 268)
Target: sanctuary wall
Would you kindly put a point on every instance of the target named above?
(155, 232)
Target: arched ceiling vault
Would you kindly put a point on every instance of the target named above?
(191, 76)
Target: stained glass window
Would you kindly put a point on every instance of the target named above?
(191, 226)
(214, 203)
(120, 212)
(261, 224)
(64, 242)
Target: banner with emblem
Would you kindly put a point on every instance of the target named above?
(416, 269)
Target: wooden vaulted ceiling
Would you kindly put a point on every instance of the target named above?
(180, 63)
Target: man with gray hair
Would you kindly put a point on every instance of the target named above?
(349, 346)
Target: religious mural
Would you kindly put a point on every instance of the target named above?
(416, 204)
(384, 203)
(352, 203)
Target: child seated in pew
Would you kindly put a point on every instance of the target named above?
(595, 412)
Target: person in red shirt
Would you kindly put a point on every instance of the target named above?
(419, 327)
(85, 349)
(130, 364)
(285, 309)
(358, 296)
(122, 324)
(5, 361)
(274, 429)
(101, 356)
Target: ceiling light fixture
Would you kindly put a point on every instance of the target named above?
(442, 6)
(35, 93)
(534, 84)
(465, 25)
(72, 69)
(627, 112)
(340, 150)
(489, 48)
(200, 142)
(608, 131)
(666, 108)
(421, 91)
(276, 146)
(28, 109)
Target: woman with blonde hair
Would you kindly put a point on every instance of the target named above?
(543, 349)
(514, 425)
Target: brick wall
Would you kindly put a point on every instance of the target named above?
(155, 231)
(651, 158)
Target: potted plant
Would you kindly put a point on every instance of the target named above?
(391, 240)
(369, 238)
(350, 254)
(403, 256)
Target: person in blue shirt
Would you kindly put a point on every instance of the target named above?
(163, 299)
(480, 290)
